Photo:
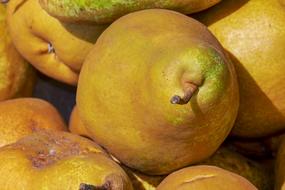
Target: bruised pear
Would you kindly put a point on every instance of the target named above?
(204, 178)
(54, 48)
(106, 11)
(17, 77)
(155, 91)
(253, 31)
(59, 161)
(23, 116)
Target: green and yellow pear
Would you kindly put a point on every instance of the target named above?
(205, 177)
(107, 11)
(253, 32)
(158, 91)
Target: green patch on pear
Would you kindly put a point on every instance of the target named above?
(106, 11)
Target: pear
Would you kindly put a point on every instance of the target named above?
(106, 11)
(232, 161)
(155, 91)
(253, 32)
(205, 177)
(17, 77)
(54, 48)
(224, 158)
(23, 116)
(59, 161)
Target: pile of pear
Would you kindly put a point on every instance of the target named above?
(169, 95)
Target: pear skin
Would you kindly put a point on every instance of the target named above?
(157, 78)
(58, 160)
(107, 11)
(205, 177)
(54, 48)
(17, 77)
(253, 32)
(23, 116)
(251, 170)
(75, 125)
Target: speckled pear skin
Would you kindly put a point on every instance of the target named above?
(254, 34)
(106, 11)
(127, 81)
(58, 160)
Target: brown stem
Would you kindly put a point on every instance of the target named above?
(189, 91)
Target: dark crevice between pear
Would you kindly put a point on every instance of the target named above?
(112, 182)
(18, 6)
(189, 91)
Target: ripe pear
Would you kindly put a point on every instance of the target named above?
(107, 11)
(205, 177)
(156, 88)
(224, 158)
(232, 161)
(253, 31)
(59, 161)
(23, 116)
(17, 77)
(54, 48)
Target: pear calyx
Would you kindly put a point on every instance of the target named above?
(112, 182)
(189, 91)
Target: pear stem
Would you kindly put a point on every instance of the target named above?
(4, 1)
(189, 91)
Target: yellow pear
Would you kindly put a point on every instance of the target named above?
(17, 77)
(23, 116)
(56, 160)
(253, 31)
(232, 161)
(155, 91)
(205, 177)
(54, 48)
